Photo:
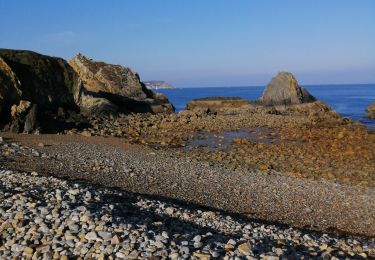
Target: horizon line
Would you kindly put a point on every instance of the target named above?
(255, 86)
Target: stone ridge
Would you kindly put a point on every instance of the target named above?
(284, 90)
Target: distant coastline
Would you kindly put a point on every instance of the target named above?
(158, 84)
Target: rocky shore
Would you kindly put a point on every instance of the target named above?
(303, 203)
(112, 172)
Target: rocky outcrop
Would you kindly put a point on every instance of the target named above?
(47, 81)
(25, 118)
(216, 104)
(91, 105)
(35, 88)
(33, 84)
(10, 89)
(371, 111)
(118, 85)
(284, 90)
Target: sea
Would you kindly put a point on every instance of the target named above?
(349, 100)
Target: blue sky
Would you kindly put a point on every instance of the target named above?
(204, 42)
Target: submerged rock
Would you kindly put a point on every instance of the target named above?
(371, 111)
(117, 84)
(284, 90)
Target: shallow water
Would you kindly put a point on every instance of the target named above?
(222, 140)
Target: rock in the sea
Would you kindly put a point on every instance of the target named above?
(214, 104)
(284, 90)
(371, 111)
(119, 85)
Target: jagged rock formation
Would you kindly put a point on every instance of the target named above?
(371, 111)
(284, 90)
(118, 85)
(38, 88)
(102, 77)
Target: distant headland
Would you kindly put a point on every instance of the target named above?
(158, 84)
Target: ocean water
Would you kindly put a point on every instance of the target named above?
(348, 100)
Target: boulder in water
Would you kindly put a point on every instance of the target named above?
(284, 90)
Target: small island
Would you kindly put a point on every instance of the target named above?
(158, 84)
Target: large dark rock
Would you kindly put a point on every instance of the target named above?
(10, 89)
(31, 120)
(34, 85)
(25, 118)
(47, 81)
(371, 111)
(284, 90)
(117, 84)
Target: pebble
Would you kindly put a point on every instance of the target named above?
(116, 224)
(91, 236)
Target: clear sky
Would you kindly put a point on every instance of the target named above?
(204, 42)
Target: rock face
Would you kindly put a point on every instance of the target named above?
(47, 81)
(25, 118)
(215, 104)
(284, 90)
(32, 84)
(36, 88)
(10, 89)
(371, 111)
(118, 85)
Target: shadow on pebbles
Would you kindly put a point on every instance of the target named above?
(53, 218)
